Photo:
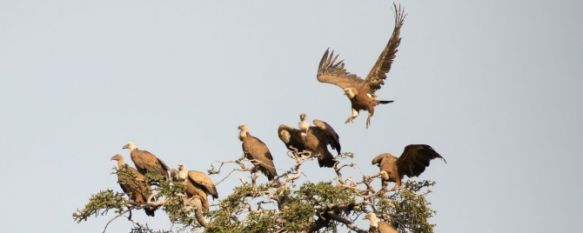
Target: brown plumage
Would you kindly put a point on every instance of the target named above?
(413, 161)
(146, 162)
(316, 140)
(361, 92)
(198, 184)
(378, 226)
(133, 183)
(257, 152)
(291, 137)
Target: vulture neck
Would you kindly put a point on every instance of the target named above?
(374, 221)
(182, 173)
(120, 163)
(243, 134)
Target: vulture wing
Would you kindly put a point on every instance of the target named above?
(204, 182)
(331, 137)
(415, 159)
(134, 184)
(261, 157)
(291, 137)
(148, 162)
(333, 72)
(377, 160)
(375, 79)
(386, 228)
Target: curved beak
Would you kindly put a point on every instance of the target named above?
(126, 146)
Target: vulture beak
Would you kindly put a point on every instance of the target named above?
(126, 146)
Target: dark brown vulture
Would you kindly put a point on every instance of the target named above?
(361, 92)
(377, 225)
(257, 152)
(133, 184)
(413, 161)
(146, 162)
(198, 184)
(314, 139)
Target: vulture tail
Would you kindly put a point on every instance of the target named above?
(150, 211)
(386, 101)
(326, 160)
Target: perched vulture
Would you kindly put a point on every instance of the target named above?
(361, 92)
(291, 137)
(314, 139)
(257, 152)
(146, 162)
(413, 161)
(133, 183)
(377, 226)
(198, 184)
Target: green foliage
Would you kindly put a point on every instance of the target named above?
(100, 203)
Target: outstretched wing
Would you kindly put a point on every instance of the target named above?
(375, 79)
(203, 180)
(331, 137)
(415, 159)
(333, 72)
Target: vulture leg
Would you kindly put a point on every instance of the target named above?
(370, 114)
(351, 117)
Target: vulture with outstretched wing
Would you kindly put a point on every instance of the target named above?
(316, 140)
(146, 162)
(291, 137)
(361, 92)
(133, 183)
(198, 184)
(413, 161)
(257, 152)
(378, 226)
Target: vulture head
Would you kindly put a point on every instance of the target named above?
(372, 218)
(284, 135)
(182, 172)
(302, 116)
(243, 129)
(130, 146)
(350, 92)
(119, 159)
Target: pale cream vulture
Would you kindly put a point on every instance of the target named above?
(413, 161)
(133, 183)
(146, 162)
(257, 152)
(197, 184)
(361, 92)
(378, 226)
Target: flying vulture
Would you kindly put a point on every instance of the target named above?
(314, 139)
(361, 92)
(377, 225)
(413, 161)
(256, 151)
(133, 183)
(198, 184)
(146, 162)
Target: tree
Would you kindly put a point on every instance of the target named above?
(282, 205)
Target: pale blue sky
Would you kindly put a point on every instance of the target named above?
(494, 86)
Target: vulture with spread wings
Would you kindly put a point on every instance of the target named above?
(413, 161)
(314, 139)
(361, 92)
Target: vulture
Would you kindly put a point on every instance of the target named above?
(146, 162)
(377, 226)
(361, 92)
(314, 139)
(257, 152)
(413, 161)
(133, 183)
(198, 184)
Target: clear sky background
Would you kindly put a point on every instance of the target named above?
(494, 86)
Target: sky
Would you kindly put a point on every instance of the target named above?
(494, 86)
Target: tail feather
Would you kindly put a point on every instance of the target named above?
(386, 101)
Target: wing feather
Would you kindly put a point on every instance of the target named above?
(415, 159)
(333, 72)
(375, 79)
(203, 180)
(331, 137)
